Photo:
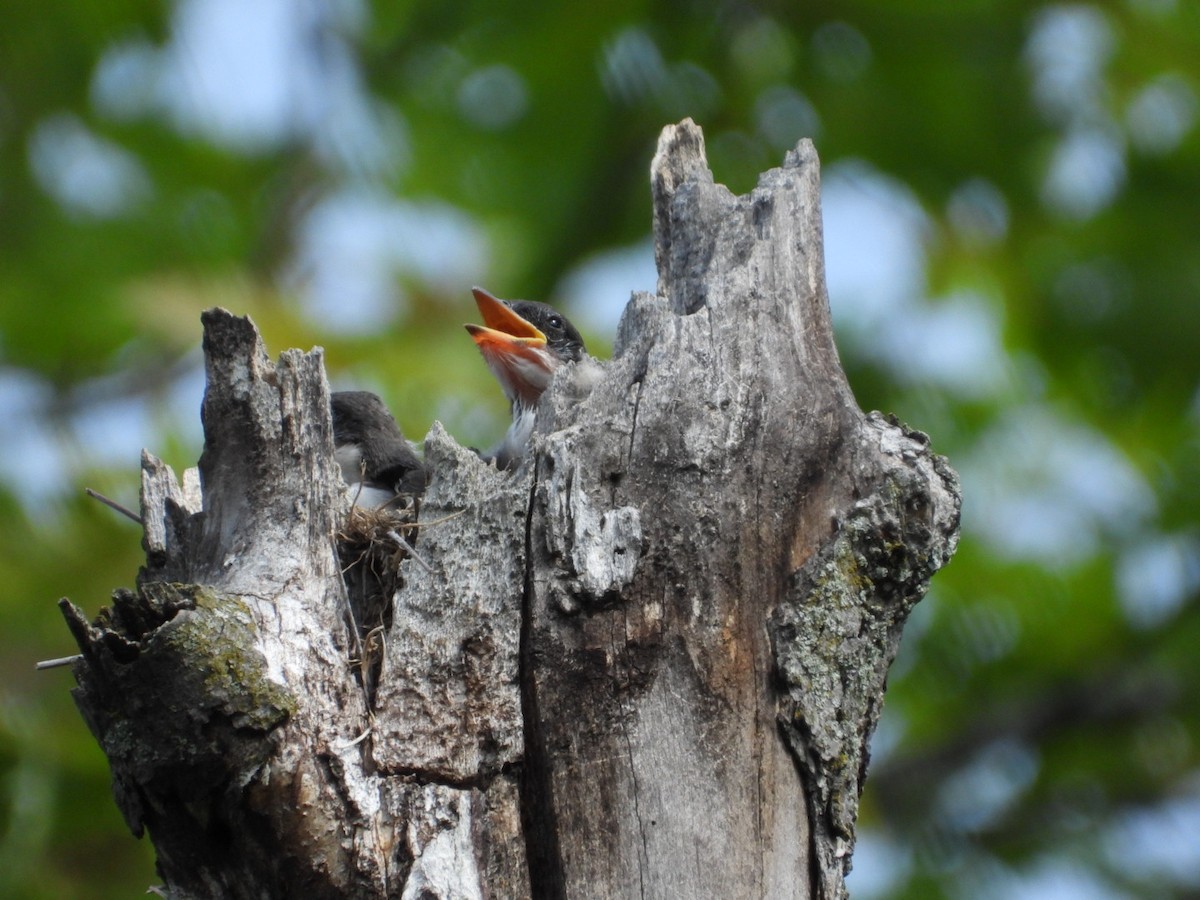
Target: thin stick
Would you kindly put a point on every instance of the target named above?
(412, 552)
(56, 663)
(453, 515)
(113, 504)
(358, 740)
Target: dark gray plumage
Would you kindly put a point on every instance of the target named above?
(376, 460)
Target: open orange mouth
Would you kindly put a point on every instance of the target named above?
(513, 348)
(501, 321)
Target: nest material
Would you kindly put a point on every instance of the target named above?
(371, 545)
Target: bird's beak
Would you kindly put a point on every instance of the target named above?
(514, 349)
(503, 330)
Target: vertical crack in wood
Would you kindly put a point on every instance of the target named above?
(620, 651)
(538, 820)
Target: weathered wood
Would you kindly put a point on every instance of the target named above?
(726, 439)
(224, 691)
(646, 664)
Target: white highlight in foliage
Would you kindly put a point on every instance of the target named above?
(355, 245)
(86, 174)
(875, 232)
(596, 290)
(1156, 576)
(1040, 486)
(1162, 114)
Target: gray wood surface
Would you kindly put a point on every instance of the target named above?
(646, 664)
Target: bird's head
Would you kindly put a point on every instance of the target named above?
(524, 343)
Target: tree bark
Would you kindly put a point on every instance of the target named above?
(646, 664)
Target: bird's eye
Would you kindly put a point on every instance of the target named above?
(556, 322)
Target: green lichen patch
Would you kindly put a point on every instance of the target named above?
(193, 706)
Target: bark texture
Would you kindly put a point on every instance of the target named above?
(646, 664)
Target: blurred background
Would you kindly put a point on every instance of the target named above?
(1011, 202)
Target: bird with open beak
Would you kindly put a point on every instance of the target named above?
(524, 344)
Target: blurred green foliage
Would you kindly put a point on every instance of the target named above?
(1042, 723)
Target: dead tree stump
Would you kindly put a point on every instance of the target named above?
(646, 664)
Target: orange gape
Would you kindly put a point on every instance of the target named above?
(518, 352)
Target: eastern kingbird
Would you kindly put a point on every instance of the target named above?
(377, 462)
(524, 343)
